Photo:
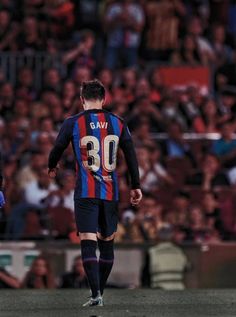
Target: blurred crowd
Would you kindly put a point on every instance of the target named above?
(41, 276)
(188, 182)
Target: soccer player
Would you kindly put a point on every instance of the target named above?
(95, 135)
(2, 199)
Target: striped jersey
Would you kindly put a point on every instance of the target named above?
(95, 136)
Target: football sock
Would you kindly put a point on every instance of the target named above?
(105, 261)
(90, 263)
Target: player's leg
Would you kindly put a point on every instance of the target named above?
(90, 262)
(106, 259)
(86, 215)
(108, 219)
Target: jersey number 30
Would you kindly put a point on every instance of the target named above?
(107, 157)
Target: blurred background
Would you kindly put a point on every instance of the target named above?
(169, 69)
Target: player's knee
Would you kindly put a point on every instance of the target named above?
(88, 236)
(111, 237)
(106, 248)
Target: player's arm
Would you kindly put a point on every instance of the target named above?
(127, 147)
(62, 141)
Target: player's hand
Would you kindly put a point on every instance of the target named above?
(52, 172)
(2, 199)
(135, 196)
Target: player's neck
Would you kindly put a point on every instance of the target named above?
(90, 105)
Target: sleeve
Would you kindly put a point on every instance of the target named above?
(62, 141)
(127, 147)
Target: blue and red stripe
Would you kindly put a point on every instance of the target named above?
(97, 134)
(108, 183)
(88, 182)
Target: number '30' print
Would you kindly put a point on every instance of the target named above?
(109, 146)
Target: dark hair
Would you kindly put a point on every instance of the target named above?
(92, 90)
(47, 280)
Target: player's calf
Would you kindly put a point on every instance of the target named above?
(106, 261)
(90, 263)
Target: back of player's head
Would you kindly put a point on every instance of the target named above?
(92, 90)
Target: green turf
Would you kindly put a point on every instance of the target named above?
(67, 303)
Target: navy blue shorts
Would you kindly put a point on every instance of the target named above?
(96, 215)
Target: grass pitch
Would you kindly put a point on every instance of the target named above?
(118, 303)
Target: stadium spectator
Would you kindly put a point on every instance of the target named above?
(35, 198)
(180, 208)
(129, 82)
(197, 224)
(76, 278)
(82, 54)
(132, 232)
(162, 28)
(170, 112)
(63, 197)
(150, 218)
(195, 28)
(213, 213)
(225, 147)
(227, 104)
(188, 53)
(24, 87)
(40, 275)
(223, 52)
(15, 140)
(149, 111)
(152, 173)
(29, 172)
(225, 75)
(202, 227)
(6, 100)
(156, 81)
(10, 187)
(210, 176)
(175, 145)
(142, 134)
(81, 73)
(124, 21)
(52, 81)
(8, 31)
(44, 141)
(106, 77)
(209, 121)
(68, 96)
(29, 39)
